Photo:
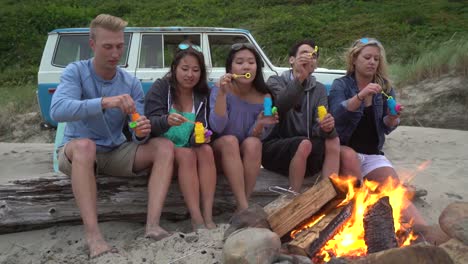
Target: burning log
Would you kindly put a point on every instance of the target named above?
(286, 212)
(331, 229)
(300, 244)
(379, 230)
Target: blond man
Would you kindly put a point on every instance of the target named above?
(95, 97)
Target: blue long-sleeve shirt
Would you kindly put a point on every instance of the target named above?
(77, 101)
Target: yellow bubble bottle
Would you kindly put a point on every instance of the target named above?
(199, 130)
(322, 112)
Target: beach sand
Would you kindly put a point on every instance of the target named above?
(435, 159)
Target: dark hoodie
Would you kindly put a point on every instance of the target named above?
(158, 101)
(297, 106)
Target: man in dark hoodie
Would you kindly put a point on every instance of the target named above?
(301, 144)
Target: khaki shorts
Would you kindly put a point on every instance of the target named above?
(118, 162)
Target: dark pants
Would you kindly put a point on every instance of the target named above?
(278, 153)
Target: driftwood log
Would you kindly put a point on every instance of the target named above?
(331, 229)
(379, 230)
(41, 202)
(301, 243)
(288, 211)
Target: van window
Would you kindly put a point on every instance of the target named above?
(151, 55)
(220, 45)
(75, 47)
(154, 55)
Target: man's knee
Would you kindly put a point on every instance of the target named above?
(332, 145)
(348, 155)
(81, 149)
(304, 149)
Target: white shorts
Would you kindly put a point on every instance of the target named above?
(372, 162)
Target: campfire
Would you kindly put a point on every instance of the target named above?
(368, 220)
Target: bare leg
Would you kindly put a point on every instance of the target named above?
(207, 176)
(158, 154)
(251, 152)
(227, 149)
(298, 165)
(82, 153)
(331, 164)
(186, 161)
(350, 164)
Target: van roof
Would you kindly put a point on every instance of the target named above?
(157, 29)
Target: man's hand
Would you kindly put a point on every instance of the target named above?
(302, 67)
(124, 102)
(143, 127)
(327, 124)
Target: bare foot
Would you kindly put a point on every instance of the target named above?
(197, 226)
(210, 225)
(156, 232)
(99, 247)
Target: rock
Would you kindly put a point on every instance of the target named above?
(416, 254)
(457, 251)
(254, 216)
(454, 221)
(251, 246)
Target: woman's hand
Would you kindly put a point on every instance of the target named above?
(175, 119)
(267, 120)
(208, 134)
(225, 83)
(370, 89)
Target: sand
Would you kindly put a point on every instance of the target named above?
(435, 159)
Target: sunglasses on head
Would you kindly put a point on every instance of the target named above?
(367, 41)
(238, 46)
(184, 46)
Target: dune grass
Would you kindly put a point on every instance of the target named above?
(449, 57)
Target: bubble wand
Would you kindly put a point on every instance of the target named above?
(392, 104)
(246, 75)
(314, 52)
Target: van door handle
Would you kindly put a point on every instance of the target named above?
(146, 80)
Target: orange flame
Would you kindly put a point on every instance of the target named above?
(350, 239)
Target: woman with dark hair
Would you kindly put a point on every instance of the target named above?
(173, 104)
(236, 116)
